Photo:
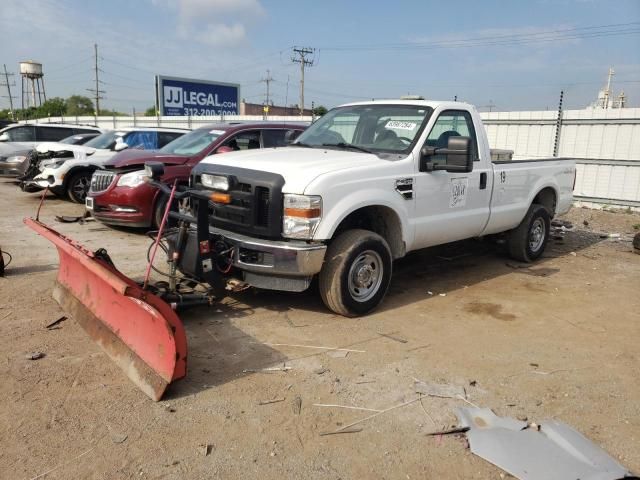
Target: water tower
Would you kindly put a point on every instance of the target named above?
(32, 84)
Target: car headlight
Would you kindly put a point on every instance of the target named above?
(302, 214)
(132, 179)
(15, 159)
(215, 182)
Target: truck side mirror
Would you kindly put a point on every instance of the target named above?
(457, 156)
(4, 137)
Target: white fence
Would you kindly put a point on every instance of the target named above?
(115, 122)
(606, 144)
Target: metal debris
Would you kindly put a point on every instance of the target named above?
(56, 322)
(551, 450)
(268, 369)
(347, 430)
(34, 355)
(392, 337)
(267, 402)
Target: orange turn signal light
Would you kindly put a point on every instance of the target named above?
(302, 212)
(217, 197)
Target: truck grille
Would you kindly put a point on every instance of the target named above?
(256, 201)
(101, 180)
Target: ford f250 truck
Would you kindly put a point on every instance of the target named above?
(364, 185)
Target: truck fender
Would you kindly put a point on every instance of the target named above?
(366, 198)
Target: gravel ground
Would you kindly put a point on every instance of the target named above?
(556, 339)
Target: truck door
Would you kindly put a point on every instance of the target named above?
(451, 206)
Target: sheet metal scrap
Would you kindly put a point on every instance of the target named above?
(555, 451)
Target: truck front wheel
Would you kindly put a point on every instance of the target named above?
(356, 273)
(528, 240)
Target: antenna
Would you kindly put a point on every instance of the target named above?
(303, 61)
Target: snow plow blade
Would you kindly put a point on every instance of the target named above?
(138, 330)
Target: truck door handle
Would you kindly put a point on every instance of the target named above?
(483, 180)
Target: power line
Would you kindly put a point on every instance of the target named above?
(522, 38)
(303, 61)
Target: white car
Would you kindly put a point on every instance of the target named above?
(72, 176)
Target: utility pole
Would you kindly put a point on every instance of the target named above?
(96, 92)
(556, 142)
(8, 85)
(267, 81)
(303, 61)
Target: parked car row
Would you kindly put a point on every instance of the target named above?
(104, 169)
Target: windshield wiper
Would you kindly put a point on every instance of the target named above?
(300, 144)
(347, 145)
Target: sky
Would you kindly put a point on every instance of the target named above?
(498, 54)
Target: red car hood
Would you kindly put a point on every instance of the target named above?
(133, 157)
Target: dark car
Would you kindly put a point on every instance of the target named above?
(119, 194)
(19, 138)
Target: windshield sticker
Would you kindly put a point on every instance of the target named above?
(458, 192)
(216, 132)
(400, 125)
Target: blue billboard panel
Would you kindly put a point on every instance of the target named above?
(184, 96)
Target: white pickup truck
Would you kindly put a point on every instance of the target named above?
(366, 184)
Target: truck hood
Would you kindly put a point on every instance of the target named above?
(132, 157)
(298, 166)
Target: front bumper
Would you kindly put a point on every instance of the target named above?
(12, 169)
(123, 206)
(273, 257)
(49, 177)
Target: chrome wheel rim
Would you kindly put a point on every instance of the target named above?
(81, 187)
(536, 234)
(365, 276)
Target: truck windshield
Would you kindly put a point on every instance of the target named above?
(379, 128)
(193, 142)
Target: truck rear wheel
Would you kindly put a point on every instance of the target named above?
(356, 274)
(528, 240)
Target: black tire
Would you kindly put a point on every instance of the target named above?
(78, 186)
(528, 240)
(158, 212)
(340, 285)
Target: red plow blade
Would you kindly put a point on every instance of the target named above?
(138, 330)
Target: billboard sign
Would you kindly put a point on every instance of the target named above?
(187, 96)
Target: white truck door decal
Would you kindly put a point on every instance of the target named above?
(458, 192)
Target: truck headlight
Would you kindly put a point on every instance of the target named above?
(302, 214)
(132, 179)
(215, 182)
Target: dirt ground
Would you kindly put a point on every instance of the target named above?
(558, 339)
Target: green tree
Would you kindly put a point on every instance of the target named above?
(54, 107)
(150, 112)
(320, 110)
(79, 105)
